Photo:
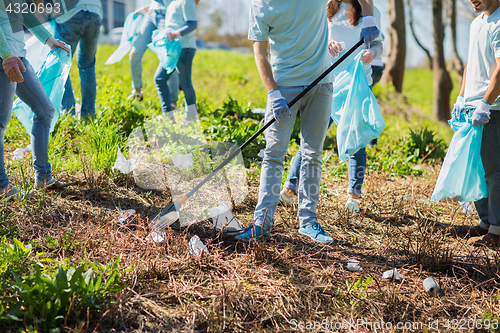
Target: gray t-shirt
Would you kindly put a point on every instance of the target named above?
(298, 35)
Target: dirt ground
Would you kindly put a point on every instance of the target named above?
(287, 282)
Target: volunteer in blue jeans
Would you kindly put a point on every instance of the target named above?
(297, 59)
(79, 27)
(345, 23)
(17, 77)
(181, 19)
(479, 96)
(154, 18)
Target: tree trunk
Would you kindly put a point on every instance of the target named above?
(457, 63)
(395, 67)
(442, 80)
(413, 32)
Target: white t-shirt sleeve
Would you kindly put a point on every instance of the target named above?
(258, 30)
(190, 11)
(495, 42)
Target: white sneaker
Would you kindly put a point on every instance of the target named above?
(352, 205)
(135, 94)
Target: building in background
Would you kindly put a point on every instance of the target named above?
(115, 12)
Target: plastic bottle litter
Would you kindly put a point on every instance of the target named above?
(467, 208)
(353, 266)
(431, 286)
(122, 164)
(196, 246)
(223, 219)
(21, 153)
(392, 274)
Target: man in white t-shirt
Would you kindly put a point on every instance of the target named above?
(297, 33)
(479, 96)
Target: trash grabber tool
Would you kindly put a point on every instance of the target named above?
(169, 214)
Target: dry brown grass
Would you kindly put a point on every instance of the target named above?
(262, 287)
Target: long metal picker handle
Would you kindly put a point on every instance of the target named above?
(263, 128)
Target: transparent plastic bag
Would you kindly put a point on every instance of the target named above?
(53, 75)
(462, 174)
(129, 30)
(36, 51)
(355, 110)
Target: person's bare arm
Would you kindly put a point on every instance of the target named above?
(263, 65)
(366, 7)
(462, 88)
(494, 87)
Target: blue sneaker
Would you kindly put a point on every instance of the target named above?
(253, 232)
(316, 233)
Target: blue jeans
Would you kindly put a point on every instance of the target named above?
(154, 19)
(488, 209)
(82, 30)
(357, 168)
(184, 66)
(314, 108)
(32, 93)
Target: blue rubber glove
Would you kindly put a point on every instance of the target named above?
(278, 105)
(458, 108)
(370, 30)
(482, 114)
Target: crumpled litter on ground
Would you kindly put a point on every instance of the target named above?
(392, 274)
(21, 153)
(353, 266)
(196, 246)
(122, 164)
(223, 219)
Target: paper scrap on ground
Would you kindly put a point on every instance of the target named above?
(156, 237)
(196, 246)
(223, 219)
(21, 153)
(467, 208)
(392, 274)
(125, 214)
(122, 164)
(353, 266)
(183, 161)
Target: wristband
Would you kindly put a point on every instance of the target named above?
(51, 41)
(369, 21)
(275, 94)
(11, 55)
(485, 107)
